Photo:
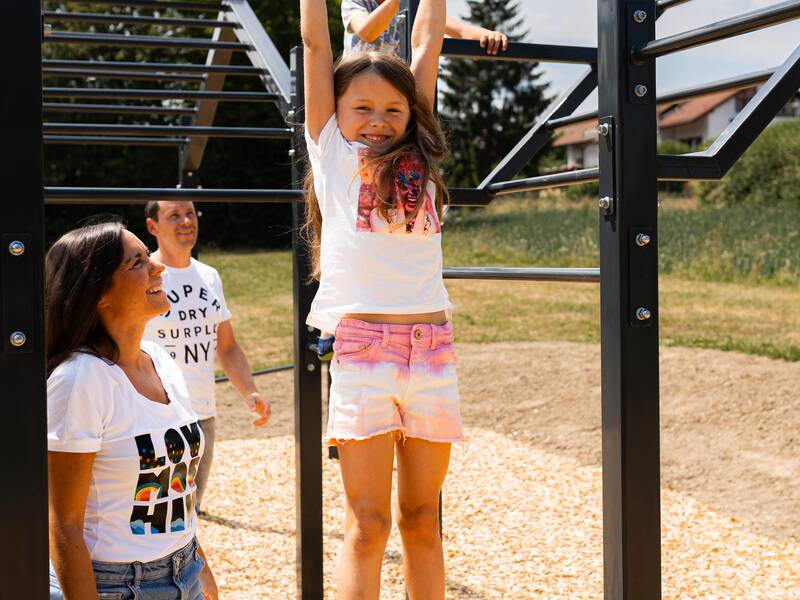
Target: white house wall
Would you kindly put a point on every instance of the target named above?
(591, 155)
(698, 129)
(720, 118)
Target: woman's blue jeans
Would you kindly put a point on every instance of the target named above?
(174, 577)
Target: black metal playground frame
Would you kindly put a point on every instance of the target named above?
(623, 65)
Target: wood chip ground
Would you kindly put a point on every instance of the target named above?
(522, 502)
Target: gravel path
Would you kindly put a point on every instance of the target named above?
(522, 500)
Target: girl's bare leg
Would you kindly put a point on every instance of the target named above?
(367, 476)
(421, 469)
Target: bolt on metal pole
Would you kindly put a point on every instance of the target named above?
(629, 304)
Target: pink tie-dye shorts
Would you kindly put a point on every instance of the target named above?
(393, 378)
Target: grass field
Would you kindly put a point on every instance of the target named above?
(729, 279)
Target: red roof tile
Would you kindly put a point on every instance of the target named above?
(682, 112)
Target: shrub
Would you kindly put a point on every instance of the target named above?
(768, 173)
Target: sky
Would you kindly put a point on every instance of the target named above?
(574, 22)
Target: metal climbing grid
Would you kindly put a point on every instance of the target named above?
(622, 67)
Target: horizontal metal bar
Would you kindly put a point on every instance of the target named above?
(264, 54)
(469, 197)
(161, 5)
(751, 21)
(521, 52)
(543, 182)
(554, 124)
(664, 5)
(106, 94)
(97, 195)
(681, 94)
(173, 130)
(133, 76)
(686, 167)
(90, 140)
(156, 67)
(523, 274)
(81, 17)
(223, 378)
(121, 109)
(141, 41)
(716, 86)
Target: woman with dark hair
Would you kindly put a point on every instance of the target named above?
(123, 441)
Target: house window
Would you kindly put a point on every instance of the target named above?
(743, 97)
(692, 142)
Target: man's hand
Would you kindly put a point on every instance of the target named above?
(493, 41)
(261, 407)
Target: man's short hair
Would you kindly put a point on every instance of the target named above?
(151, 210)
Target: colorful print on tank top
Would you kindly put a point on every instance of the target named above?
(407, 191)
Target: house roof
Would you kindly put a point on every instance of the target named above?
(671, 114)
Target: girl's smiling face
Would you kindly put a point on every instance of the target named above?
(373, 112)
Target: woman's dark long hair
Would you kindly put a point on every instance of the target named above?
(78, 271)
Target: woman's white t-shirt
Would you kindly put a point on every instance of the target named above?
(370, 264)
(141, 501)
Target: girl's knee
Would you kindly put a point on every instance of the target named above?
(419, 522)
(370, 529)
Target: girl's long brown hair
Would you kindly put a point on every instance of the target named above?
(424, 138)
(78, 271)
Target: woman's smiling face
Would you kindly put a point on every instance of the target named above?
(135, 291)
(373, 112)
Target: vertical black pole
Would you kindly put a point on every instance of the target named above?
(23, 513)
(408, 12)
(307, 381)
(629, 303)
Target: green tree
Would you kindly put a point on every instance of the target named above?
(488, 105)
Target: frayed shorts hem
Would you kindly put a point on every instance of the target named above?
(336, 440)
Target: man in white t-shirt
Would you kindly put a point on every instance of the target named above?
(197, 328)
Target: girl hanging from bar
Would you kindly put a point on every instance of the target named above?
(374, 207)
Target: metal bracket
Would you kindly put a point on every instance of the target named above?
(608, 194)
(641, 82)
(642, 282)
(405, 36)
(18, 323)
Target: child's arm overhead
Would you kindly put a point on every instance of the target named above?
(493, 41)
(426, 46)
(320, 103)
(370, 25)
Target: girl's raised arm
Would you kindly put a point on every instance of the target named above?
(426, 46)
(317, 65)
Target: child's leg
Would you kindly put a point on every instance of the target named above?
(421, 469)
(367, 476)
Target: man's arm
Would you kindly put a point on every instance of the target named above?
(234, 363)
(492, 41)
(370, 25)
